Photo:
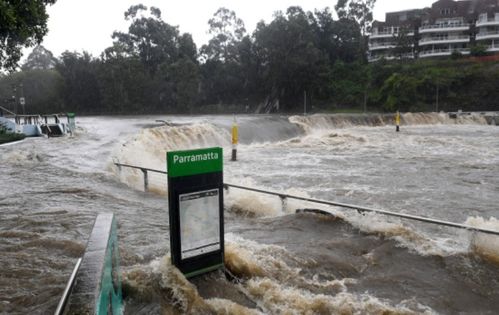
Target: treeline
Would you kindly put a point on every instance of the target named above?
(470, 84)
(153, 68)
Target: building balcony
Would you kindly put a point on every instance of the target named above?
(390, 57)
(387, 34)
(487, 35)
(454, 27)
(493, 48)
(442, 52)
(381, 46)
(382, 35)
(487, 22)
(444, 40)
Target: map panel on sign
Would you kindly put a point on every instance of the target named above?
(199, 223)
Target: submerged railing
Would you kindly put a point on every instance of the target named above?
(359, 209)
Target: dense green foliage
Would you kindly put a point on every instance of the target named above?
(10, 137)
(22, 24)
(153, 68)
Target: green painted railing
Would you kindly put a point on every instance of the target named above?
(96, 288)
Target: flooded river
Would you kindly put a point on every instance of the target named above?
(286, 262)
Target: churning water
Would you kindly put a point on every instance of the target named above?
(286, 263)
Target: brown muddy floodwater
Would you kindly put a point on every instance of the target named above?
(285, 262)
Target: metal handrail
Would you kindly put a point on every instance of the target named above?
(439, 26)
(438, 39)
(483, 34)
(366, 209)
(348, 206)
(443, 50)
(64, 299)
(8, 111)
(140, 168)
(487, 20)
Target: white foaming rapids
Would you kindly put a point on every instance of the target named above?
(282, 299)
(148, 149)
(323, 138)
(405, 235)
(160, 279)
(281, 289)
(485, 245)
(318, 122)
(253, 204)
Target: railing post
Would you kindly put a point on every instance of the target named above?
(283, 203)
(146, 179)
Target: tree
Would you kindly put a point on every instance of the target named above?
(403, 44)
(227, 30)
(292, 59)
(348, 86)
(40, 58)
(478, 50)
(362, 12)
(401, 92)
(81, 90)
(148, 38)
(42, 89)
(23, 24)
(359, 10)
(184, 77)
(339, 40)
(223, 75)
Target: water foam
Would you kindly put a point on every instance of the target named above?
(24, 156)
(148, 148)
(253, 204)
(406, 236)
(281, 289)
(323, 138)
(160, 280)
(485, 245)
(282, 299)
(319, 122)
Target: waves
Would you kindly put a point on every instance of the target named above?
(148, 148)
(484, 245)
(326, 135)
(266, 278)
(150, 144)
(322, 122)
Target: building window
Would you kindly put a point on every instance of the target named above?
(445, 11)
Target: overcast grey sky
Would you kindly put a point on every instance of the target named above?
(88, 24)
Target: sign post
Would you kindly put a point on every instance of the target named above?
(195, 203)
(71, 122)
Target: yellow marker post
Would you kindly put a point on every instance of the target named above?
(397, 121)
(234, 140)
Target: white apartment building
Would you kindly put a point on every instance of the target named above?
(385, 35)
(447, 27)
(487, 31)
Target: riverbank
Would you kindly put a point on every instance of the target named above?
(11, 137)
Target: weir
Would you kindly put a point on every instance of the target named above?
(360, 209)
(95, 285)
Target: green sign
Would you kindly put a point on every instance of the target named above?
(194, 162)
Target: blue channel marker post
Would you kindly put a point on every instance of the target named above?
(195, 204)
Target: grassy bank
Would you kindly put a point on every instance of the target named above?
(9, 137)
